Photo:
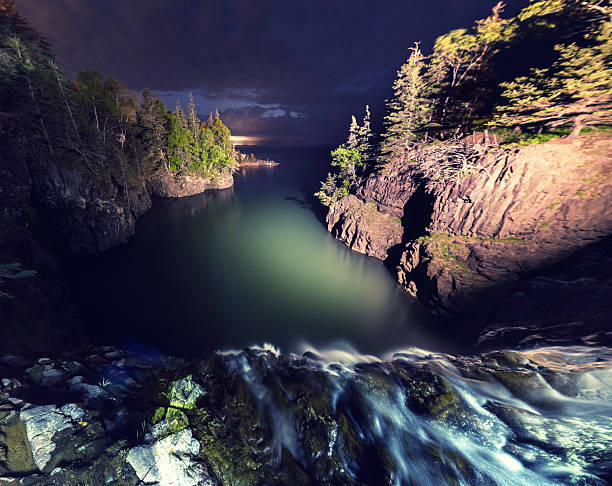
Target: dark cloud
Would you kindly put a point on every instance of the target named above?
(257, 61)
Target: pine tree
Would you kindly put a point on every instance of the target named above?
(180, 114)
(330, 191)
(409, 109)
(151, 118)
(353, 136)
(364, 144)
(192, 119)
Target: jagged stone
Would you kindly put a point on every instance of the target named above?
(42, 423)
(363, 228)
(184, 393)
(170, 462)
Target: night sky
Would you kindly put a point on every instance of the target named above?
(284, 70)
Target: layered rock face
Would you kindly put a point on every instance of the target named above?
(363, 227)
(86, 212)
(513, 210)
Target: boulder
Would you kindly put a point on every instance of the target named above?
(169, 462)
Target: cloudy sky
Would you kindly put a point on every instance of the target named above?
(281, 69)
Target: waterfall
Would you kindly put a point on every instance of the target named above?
(538, 417)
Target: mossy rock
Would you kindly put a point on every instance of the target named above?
(430, 394)
(508, 359)
(184, 393)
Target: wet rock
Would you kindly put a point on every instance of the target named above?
(42, 423)
(90, 392)
(175, 421)
(14, 361)
(170, 462)
(46, 373)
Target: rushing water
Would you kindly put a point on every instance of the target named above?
(531, 418)
(246, 265)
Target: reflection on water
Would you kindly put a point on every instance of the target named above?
(246, 265)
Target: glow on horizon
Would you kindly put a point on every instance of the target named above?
(245, 140)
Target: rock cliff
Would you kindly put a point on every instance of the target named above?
(471, 233)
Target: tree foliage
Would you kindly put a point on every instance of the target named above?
(546, 70)
(576, 90)
(346, 160)
(409, 110)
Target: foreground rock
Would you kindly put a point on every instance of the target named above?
(260, 417)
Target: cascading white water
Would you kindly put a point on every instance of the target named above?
(539, 417)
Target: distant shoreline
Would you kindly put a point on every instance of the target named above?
(258, 163)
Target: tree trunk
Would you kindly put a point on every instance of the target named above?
(578, 126)
(76, 130)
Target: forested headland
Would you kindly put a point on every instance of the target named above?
(545, 73)
(94, 121)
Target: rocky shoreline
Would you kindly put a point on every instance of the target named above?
(107, 416)
(167, 185)
(258, 163)
(469, 242)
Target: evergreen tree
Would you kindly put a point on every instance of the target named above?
(330, 191)
(151, 119)
(364, 143)
(353, 136)
(409, 109)
(180, 115)
(192, 119)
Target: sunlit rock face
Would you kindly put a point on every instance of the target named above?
(469, 237)
(257, 416)
(363, 228)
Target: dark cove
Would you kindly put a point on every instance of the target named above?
(247, 265)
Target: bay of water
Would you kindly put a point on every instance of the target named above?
(247, 265)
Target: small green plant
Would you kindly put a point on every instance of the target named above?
(141, 432)
(104, 383)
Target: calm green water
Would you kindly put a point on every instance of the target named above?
(246, 265)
